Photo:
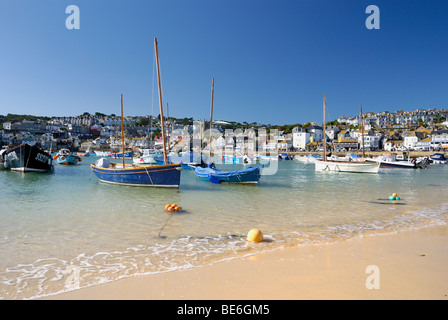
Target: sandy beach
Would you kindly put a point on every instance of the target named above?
(404, 265)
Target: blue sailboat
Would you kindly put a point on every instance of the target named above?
(163, 176)
(248, 175)
(166, 175)
(209, 173)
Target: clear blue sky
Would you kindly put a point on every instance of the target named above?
(272, 60)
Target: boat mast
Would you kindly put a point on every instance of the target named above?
(324, 137)
(362, 133)
(168, 130)
(122, 131)
(162, 124)
(211, 121)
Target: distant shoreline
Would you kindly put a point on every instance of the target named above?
(369, 154)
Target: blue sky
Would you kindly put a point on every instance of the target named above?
(271, 60)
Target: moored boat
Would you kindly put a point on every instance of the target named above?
(209, 173)
(2, 158)
(438, 158)
(349, 165)
(307, 158)
(27, 158)
(166, 175)
(248, 175)
(147, 157)
(83, 154)
(119, 155)
(102, 153)
(390, 161)
(393, 161)
(243, 159)
(284, 156)
(65, 157)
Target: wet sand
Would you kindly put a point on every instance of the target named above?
(405, 265)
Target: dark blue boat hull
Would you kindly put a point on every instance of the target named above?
(249, 175)
(166, 176)
(397, 165)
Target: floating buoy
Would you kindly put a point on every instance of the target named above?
(394, 196)
(173, 207)
(255, 235)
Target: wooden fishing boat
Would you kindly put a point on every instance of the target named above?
(163, 176)
(248, 175)
(166, 175)
(65, 157)
(27, 158)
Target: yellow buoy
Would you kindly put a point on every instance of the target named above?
(394, 195)
(255, 235)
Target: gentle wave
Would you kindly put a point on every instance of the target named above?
(62, 237)
(52, 276)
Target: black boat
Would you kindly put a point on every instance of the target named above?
(27, 158)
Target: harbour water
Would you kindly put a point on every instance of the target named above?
(66, 230)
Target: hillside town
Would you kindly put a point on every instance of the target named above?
(418, 130)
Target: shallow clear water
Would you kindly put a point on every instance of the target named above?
(65, 230)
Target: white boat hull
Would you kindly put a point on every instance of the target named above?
(347, 166)
(144, 160)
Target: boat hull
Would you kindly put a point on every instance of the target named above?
(397, 165)
(347, 166)
(145, 159)
(26, 158)
(249, 175)
(438, 158)
(166, 176)
(68, 160)
(119, 155)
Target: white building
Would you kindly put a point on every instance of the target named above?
(300, 139)
(302, 136)
(439, 139)
(353, 121)
(410, 140)
(371, 142)
(342, 119)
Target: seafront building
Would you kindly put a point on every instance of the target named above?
(401, 130)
